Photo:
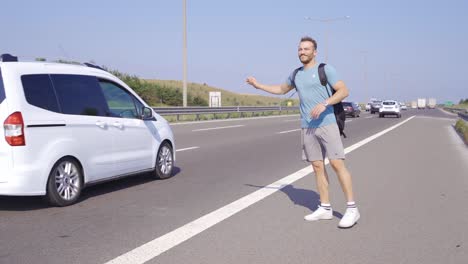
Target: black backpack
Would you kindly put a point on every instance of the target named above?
(337, 108)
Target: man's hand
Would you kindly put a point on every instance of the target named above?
(252, 81)
(318, 109)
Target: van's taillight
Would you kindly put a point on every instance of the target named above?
(14, 129)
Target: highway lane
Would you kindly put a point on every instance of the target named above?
(412, 197)
(116, 217)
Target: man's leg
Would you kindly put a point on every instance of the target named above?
(321, 178)
(324, 211)
(314, 153)
(344, 177)
(352, 214)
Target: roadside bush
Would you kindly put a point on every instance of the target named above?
(462, 128)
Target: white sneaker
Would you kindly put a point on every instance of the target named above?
(350, 218)
(320, 214)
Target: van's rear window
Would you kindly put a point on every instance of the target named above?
(2, 89)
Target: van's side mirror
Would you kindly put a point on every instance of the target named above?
(147, 113)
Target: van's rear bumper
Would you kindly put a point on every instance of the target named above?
(24, 182)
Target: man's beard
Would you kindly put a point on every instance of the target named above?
(305, 59)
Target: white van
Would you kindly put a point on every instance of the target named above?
(68, 126)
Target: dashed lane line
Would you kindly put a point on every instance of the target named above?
(288, 131)
(215, 128)
(184, 149)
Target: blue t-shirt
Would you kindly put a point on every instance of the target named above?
(311, 92)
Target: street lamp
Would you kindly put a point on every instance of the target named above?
(327, 21)
(366, 88)
(185, 55)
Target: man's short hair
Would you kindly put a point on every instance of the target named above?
(307, 38)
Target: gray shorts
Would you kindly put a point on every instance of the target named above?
(321, 142)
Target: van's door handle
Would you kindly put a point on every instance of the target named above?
(118, 125)
(101, 124)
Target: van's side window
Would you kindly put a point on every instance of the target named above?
(120, 102)
(2, 89)
(80, 95)
(39, 91)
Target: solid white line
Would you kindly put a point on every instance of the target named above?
(283, 132)
(214, 128)
(369, 117)
(291, 120)
(163, 243)
(184, 149)
(347, 121)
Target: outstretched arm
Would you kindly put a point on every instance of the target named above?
(274, 89)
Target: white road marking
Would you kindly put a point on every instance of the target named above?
(369, 117)
(435, 117)
(214, 128)
(292, 120)
(283, 132)
(184, 149)
(163, 243)
(347, 121)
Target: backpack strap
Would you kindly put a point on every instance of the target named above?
(293, 81)
(324, 79)
(322, 75)
(337, 108)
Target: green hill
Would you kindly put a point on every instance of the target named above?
(201, 91)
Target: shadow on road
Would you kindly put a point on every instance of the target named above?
(306, 198)
(28, 203)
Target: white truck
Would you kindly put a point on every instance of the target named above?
(432, 102)
(421, 103)
(414, 104)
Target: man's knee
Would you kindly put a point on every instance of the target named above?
(337, 164)
(318, 165)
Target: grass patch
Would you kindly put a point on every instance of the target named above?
(462, 128)
(228, 98)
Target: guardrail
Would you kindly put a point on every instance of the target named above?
(463, 116)
(203, 110)
(461, 112)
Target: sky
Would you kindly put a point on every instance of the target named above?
(397, 49)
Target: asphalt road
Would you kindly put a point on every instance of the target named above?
(411, 187)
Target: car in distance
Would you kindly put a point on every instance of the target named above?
(390, 107)
(368, 107)
(403, 106)
(375, 106)
(351, 109)
(69, 126)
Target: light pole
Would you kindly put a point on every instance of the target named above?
(366, 88)
(184, 92)
(327, 21)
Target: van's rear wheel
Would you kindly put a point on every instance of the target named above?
(164, 161)
(65, 183)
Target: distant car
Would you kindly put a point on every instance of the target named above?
(390, 107)
(375, 106)
(368, 106)
(403, 106)
(351, 109)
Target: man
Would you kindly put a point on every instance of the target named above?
(320, 133)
